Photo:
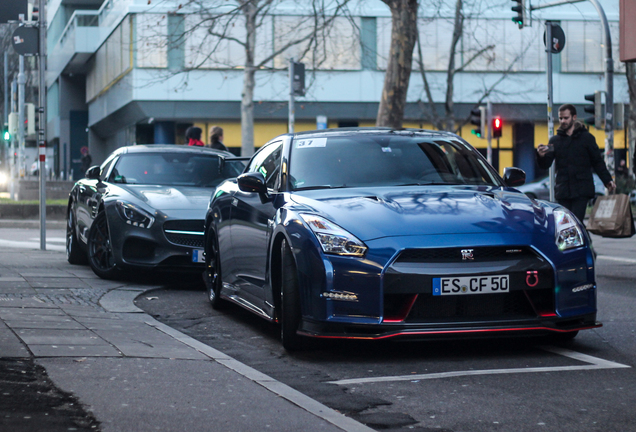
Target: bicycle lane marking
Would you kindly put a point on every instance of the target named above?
(592, 364)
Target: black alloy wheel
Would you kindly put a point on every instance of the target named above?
(100, 252)
(289, 315)
(74, 253)
(212, 274)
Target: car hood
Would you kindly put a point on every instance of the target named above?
(422, 210)
(167, 198)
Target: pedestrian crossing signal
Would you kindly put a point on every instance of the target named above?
(497, 126)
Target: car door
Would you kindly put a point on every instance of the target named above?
(252, 221)
(89, 194)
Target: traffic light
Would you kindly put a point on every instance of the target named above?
(478, 118)
(5, 132)
(33, 12)
(497, 126)
(596, 109)
(520, 8)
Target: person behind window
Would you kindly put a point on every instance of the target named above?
(193, 135)
(216, 138)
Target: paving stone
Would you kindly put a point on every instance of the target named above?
(59, 337)
(74, 351)
(63, 325)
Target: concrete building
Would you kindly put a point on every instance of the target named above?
(135, 71)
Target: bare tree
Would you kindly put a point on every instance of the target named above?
(447, 119)
(398, 70)
(218, 24)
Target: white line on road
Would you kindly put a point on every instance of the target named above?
(617, 259)
(30, 245)
(593, 363)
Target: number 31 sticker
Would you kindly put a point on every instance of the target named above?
(309, 143)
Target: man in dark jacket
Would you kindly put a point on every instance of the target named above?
(576, 154)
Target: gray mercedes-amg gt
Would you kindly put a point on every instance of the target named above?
(144, 208)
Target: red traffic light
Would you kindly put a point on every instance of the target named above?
(497, 126)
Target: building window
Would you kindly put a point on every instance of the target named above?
(151, 40)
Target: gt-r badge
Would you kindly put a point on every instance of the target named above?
(467, 254)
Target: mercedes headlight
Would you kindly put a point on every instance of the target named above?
(568, 230)
(133, 215)
(332, 238)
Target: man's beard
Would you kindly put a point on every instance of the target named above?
(565, 126)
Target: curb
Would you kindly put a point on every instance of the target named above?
(32, 223)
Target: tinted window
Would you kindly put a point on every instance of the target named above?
(170, 169)
(267, 162)
(385, 160)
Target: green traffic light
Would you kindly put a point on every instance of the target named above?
(7, 136)
(476, 132)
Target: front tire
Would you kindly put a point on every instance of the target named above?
(74, 253)
(212, 275)
(100, 252)
(290, 315)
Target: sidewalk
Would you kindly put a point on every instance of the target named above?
(128, 370)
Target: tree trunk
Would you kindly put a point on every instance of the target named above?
(449, 103)
(398, 70)
(631, 120)
(247, 96)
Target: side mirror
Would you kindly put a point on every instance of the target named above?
(252, 182)
(514, 177)
(93, 172)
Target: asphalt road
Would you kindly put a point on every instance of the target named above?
(588, 384)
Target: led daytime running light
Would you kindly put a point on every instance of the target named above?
(133, 215)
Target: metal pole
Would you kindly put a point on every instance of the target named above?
(489, 126)
(14, 92)
(42, 130)
(548, 49)
(5, 117)
(291, 96)
(609, 90)
(21, 99)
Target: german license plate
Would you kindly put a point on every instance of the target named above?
(470, 285)
(197, 256)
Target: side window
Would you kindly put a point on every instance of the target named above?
(105, 168)
(267, 161)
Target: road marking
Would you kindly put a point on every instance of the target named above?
(617, 259)
(593, 363)
(31, 245)
(286, 392)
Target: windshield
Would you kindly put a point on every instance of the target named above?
(385, 160)
(174, 169)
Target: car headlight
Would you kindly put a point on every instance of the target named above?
(568, 231)
(133, 215)
(332, 238)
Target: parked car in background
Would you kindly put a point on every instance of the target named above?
(540, 189)
(377, 233)
(144, 208)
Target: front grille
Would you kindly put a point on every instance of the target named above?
(512, 305)
(184, 232)
(194, 241)
(449, 255)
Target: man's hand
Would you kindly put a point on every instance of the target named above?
(544, 149)
(611, 186)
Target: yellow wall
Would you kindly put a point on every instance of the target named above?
(541, 136)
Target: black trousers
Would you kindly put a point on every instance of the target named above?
(576, 206)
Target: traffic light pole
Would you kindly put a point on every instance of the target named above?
(548, 50)
(21, 99)
(609, 89)
(292, 114)
(489, 123)
(42, 129)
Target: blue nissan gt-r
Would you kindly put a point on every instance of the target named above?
(379, 233)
